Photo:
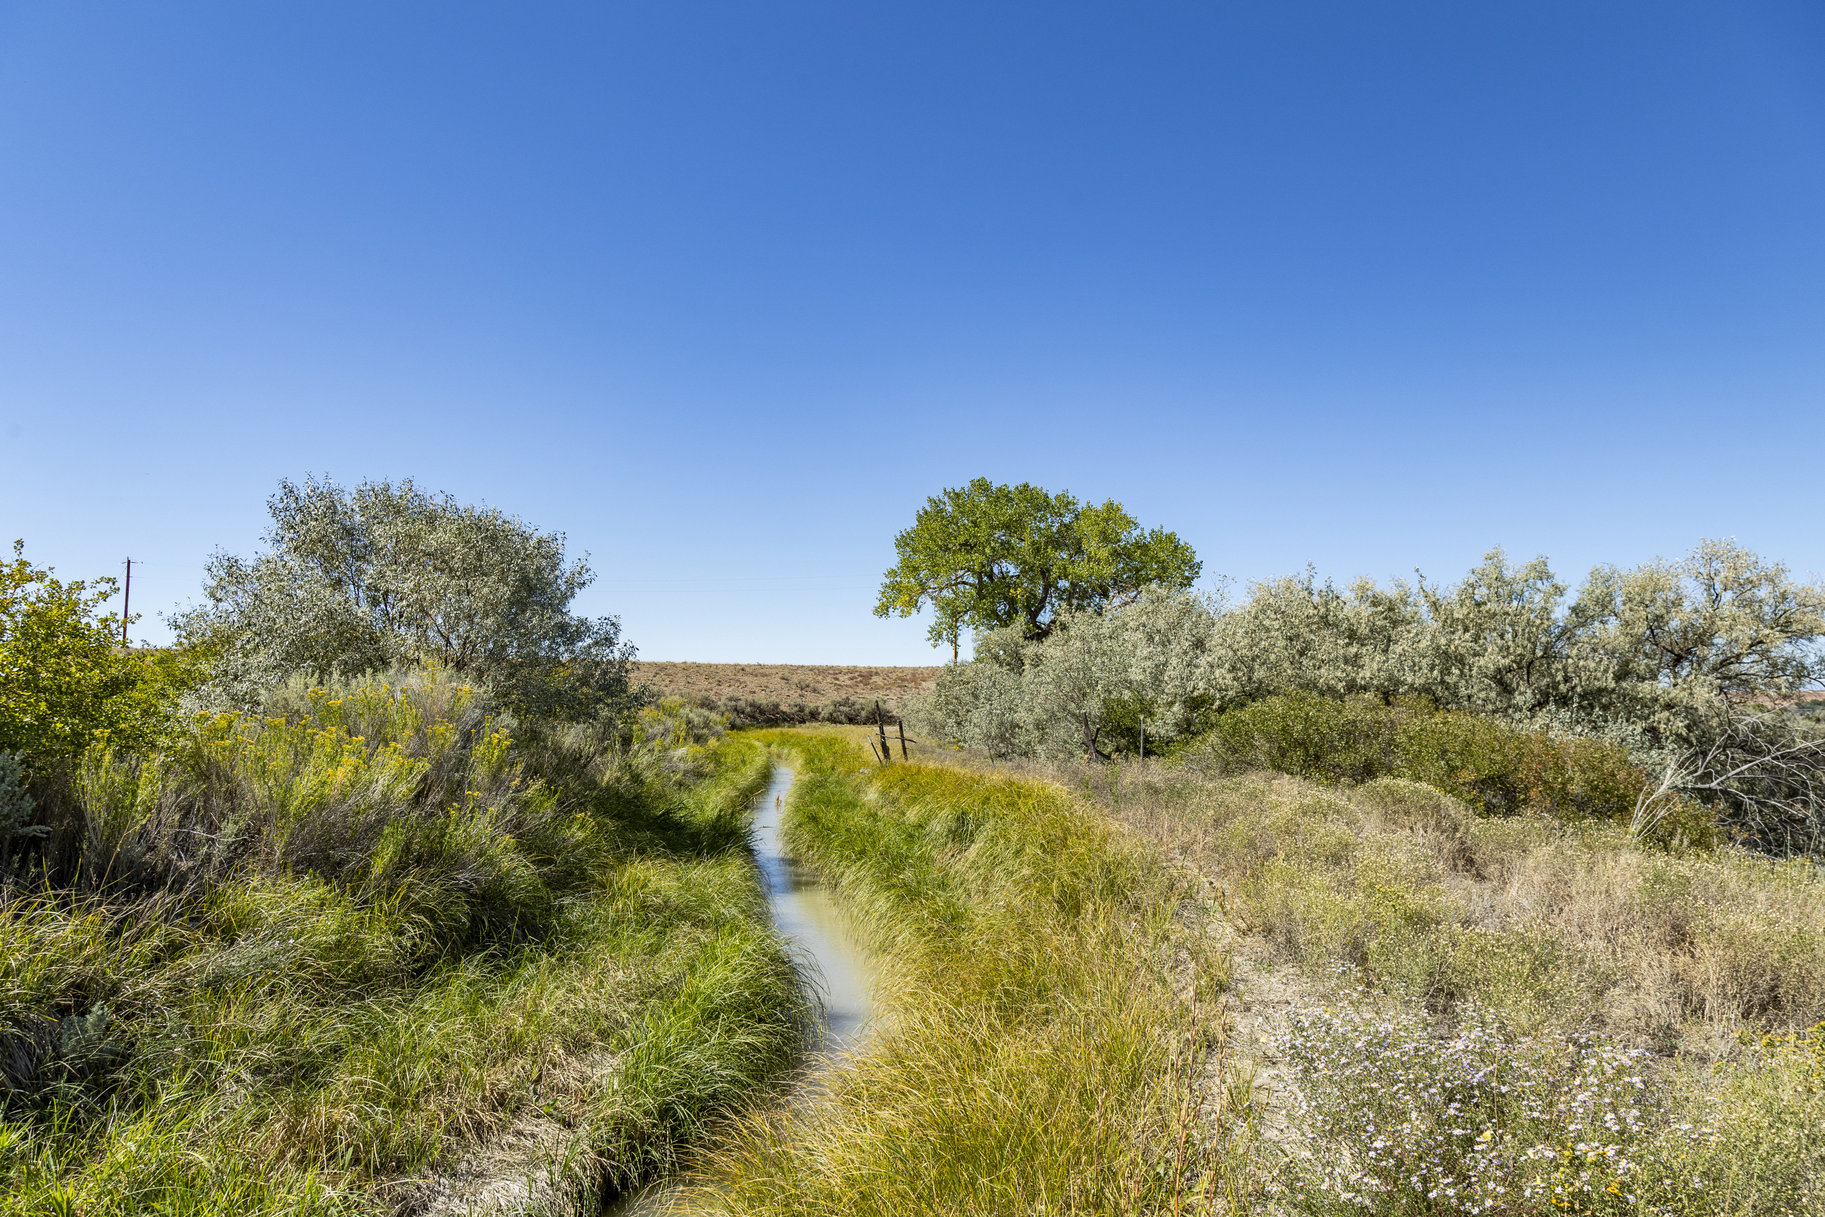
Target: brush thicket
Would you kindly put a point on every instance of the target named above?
(335, 957)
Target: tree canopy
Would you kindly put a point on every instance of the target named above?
(987, 556)
(65, 678)
(1651, 656)
(363, 579)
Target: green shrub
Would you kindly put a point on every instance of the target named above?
(1499, 769)
(1323, 738)
(1494, 767)
(65, 679)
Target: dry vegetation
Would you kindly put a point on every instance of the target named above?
(1394, 950)
(783, 682)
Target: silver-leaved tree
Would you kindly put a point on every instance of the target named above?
(1694, 666)
(386, 574)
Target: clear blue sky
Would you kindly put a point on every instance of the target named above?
(724, 291)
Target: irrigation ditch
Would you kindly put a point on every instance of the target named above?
(835, 967)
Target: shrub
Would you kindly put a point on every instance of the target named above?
(758, 712)
(1327, 739)
(64, 677)
(360, 580)
(979, 704)
(1501, 769)
(16, 804)
(673, 722)
(405, 790)
(1492, 766)
(1086, 689)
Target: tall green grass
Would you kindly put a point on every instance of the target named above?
(371, 950)
(1047, 1021)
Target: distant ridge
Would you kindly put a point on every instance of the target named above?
(785, 683)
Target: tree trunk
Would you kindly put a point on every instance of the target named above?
(1090, 749)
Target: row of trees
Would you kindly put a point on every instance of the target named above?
(1692, 665)
(1654, 651)
(1650, 655)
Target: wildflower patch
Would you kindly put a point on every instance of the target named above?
(1405, 1118)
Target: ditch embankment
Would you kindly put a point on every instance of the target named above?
(1050, 1035)
(371, 952)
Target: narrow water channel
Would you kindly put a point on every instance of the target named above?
(837, 971)
(806, 916)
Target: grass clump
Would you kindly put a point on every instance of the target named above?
(376, 948)
(1041, 1038)
(1514, 1014)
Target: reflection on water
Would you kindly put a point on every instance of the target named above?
(807, 918)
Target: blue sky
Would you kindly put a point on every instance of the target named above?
(724, 291)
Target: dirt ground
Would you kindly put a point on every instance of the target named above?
(785, 682)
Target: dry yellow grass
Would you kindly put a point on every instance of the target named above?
(1575, 925)
(784, 682)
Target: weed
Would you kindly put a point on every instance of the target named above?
(1569, 957)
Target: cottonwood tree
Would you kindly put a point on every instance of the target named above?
(986, 556)
(359, 580)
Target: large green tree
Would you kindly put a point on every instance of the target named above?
(357, 580)
(985, 556)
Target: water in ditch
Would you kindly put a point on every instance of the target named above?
(806, 916)
(836, 969)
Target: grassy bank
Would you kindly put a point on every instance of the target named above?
(373, 951)
(1509, 1015)
(1047, 1036)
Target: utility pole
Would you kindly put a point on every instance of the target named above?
(126, 602)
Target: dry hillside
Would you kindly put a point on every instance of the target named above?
(785, 683)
